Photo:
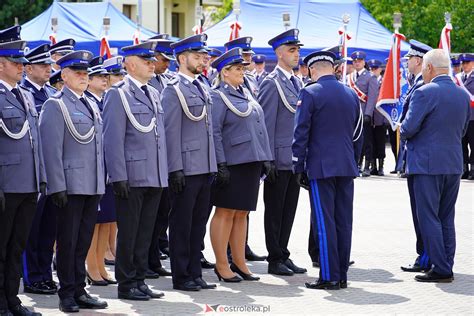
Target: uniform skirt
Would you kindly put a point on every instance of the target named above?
(107, 207)
(242, 191)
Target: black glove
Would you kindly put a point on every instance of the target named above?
(59, 199)
(302, 180)
(121, 189)
(2, 201)
(367, 119)
(176, 181)
(223, 175)
(270, 170)
(43, 188)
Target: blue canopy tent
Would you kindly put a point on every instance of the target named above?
(317, 20)
(83, 23)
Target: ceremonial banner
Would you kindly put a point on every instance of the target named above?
(235, 28)
(104, 47)
(389, 103)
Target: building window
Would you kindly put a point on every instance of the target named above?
(176, 20)
(130, 11)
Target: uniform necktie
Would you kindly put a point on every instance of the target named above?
(198, 85)
(86, 104)
(357, 75)
(17, 94)
(294, 81)
(464, 78)
(147, 93)
(43, 91)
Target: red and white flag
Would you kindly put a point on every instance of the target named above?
(136, 37)
(197, 29)
(390, 89)
(52, 38)
(344, 37)
(235, 28)
(105, 47)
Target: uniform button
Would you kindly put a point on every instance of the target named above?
(260, 133)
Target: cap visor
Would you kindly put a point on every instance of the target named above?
(18, 60)
(168, 56)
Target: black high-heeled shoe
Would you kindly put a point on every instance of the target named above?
(91, 281)
(110, 281)
(233, 279)
(245, 276)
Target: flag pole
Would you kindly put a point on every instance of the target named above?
(397, 24)
(345, 20)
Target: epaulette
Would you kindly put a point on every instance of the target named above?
(26, 88)
(273, 74)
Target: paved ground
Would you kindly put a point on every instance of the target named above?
(383, 239)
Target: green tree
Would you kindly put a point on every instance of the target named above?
(222, 11)
(25, 10)
(423, 20)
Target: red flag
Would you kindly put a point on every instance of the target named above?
(136, 37)
(104, 47)
(52, 38)
(390, 88)
(344, 37)
(197, 29)
(235, 28)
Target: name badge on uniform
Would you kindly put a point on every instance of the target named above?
(77, 113)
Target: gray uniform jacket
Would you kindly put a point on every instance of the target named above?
(159, 82)
(368, 84)
(21, 161)
(469, 84)
(71, 166)
(238, 139)
(250, 82)
(190, 144)
(279, 120)
(379, 119)
(132, 155)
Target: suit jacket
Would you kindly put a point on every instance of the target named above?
(238, 139)
(131, 155)
(190, 144)
(368, 84)
(279, 120)
(326, 121)
(70, 166)
(21, 161)
(40, 96)
(437, 119)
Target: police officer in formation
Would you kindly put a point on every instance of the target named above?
(366, 88)
(415, 60)
(37, 273)
(278, 96)
(61, 49)
(191, 162)
(467, 79)
(434, 160)
(71, 134)
(260, 72)
(326, 146)
(135, 154)
(22, 169)
(243, 155)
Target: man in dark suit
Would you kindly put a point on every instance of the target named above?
(434, 160)
(467, 79)
(326, 146)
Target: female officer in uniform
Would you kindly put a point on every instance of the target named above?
(242, 152)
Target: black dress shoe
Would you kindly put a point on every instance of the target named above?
(68, 305)
(323, 285)
(279, 268)
(38, 288)
(150, 274)
(351, 262)
(21, 310)
(88, 302)
(343, 284)
(153, 294)
(412, 268)
(108, 262)
(206, 264)
(187, 286)
(245, 276)
(315, 264)
(51, 284)
(293, 267)
(204, 285)
(252, 256)
(162, 271)
(5, 312)
(434, 277)
(133, 294)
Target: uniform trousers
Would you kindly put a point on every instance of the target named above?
(281, 200)
(161, 225)
(15, 224)
(331, 206)
(436, 197)
(313, 243)
(38, 254)
(423, 259)
(136, 217)
(380, 133)
(187, 226)
(75, 227)
(468, 144)
(368, 146)
(393, 142)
